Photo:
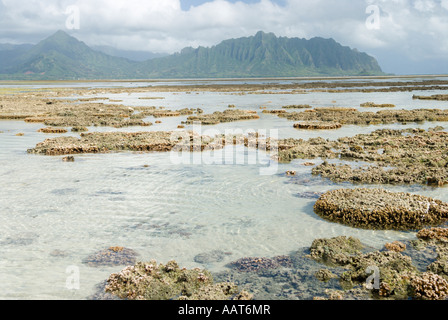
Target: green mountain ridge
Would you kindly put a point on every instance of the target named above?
(62, 57)
(10, 52)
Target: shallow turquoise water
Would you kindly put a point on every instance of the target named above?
(167, 210)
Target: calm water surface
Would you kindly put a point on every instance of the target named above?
(55, 214)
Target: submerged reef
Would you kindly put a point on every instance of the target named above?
(286, 277)
(113, 256)
(309, 195)
(254, 264)
(152, 281)
(380, 209)
(211, 257)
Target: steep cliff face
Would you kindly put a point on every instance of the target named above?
(265, 55)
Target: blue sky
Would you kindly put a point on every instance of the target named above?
(186, 4)
(408, 37)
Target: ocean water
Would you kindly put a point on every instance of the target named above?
(54, 214)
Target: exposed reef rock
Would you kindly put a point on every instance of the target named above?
(407, 156)
(325, 275)
(440, 97)
(68, 159)
(318, 125)
(430, 286)
(152, 281)
(217, 117)
(274, 111)
(79, 129)
(335, 251)
(34, 108)
(393, 268)
(298, 106)
(294, 88)
(291, 149)
(309, 164)
(396, 246)
(380, 209)
(435, 238)
(436, 129)
(374, 105)
(352, 116)
(52, 130)
(434, 235)
(144, 112)
(120, 141)
(89, 114)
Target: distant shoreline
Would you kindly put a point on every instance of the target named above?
(224, 79)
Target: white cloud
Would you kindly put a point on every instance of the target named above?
(413, 28)
(425, 5)
(444, 4)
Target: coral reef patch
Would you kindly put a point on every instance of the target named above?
(152, 281)
(317, 125)
(351, 116)
(380, 209)
(217, 117)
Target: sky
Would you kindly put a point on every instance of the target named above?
(405, 36)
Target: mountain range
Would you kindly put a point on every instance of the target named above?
(63, 57)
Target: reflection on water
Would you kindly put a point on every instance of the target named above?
(54, 214)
